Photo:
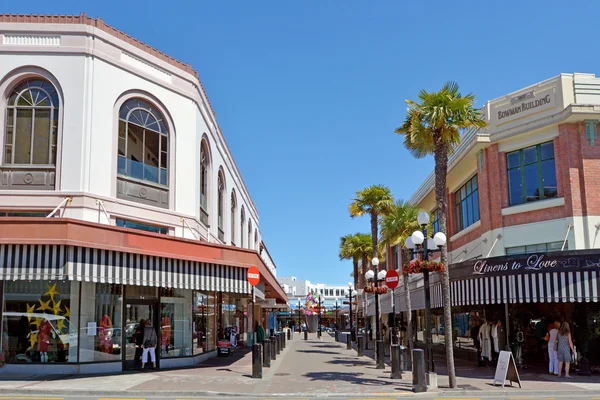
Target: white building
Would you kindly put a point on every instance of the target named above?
(298, 290)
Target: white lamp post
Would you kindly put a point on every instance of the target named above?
(370, 275)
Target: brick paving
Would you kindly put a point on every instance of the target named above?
(305, 368)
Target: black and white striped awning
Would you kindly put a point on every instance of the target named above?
(548, 287)
(59, 262)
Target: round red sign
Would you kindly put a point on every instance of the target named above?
(392, 279)
(253, 276)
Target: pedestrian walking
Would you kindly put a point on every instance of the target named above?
(565, 349)
(150, 341)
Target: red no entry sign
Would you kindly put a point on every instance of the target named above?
(392, 279)
(253, 276)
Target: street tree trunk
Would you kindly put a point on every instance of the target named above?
(374, 227)
(441, 172)
(356, 273)
(409, 331)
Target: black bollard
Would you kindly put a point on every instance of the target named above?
(278, 343)
(359, 345)
(366, 341)
(256, 361)
(418, 371)
(348, 341)
(396, 369)
(305, 335)
(337, 336)
(380, 355)
(289, 334)
(283, 340)
(267, 353)
(273, 348)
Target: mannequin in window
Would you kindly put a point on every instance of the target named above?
(44, 339)
(165, 334)
(485, 340)
(105, 332)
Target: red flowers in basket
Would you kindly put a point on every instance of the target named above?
(378, 290)
(419, 266)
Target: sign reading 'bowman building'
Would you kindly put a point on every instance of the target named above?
(540, 101)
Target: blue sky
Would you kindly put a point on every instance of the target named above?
(308, 93)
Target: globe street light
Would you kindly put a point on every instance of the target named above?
(351, 293)
(418, 245)
(370, 275)
(336, 313)
(299, 306)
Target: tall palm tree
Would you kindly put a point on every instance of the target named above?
(357, 248)
(375, 200)
(398, 225)
(433, 126)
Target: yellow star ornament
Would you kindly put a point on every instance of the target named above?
(60, 325)
(30, 310)
(32, 338)
(68, 312)
(44, 306)
(37, 323)
(51, 291)
(56, 307)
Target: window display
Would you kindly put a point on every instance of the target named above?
(100, 327)
(203, 327)
(175, 323)
(37, 321)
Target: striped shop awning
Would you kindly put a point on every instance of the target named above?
(59, 262)
(548, 287)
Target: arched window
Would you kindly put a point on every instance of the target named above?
(242, 226)
(233, 210)
(204, 162)
(143, 143)
(250, 243)
(32, 124)
(255, 239)
(221, 206)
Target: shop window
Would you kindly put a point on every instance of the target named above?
(231, 324)
(531, 174)
(467, 204)
(142, 227)
(100, 322)
(203, 336)
(37, 321)
(536, 248)
(175, 323)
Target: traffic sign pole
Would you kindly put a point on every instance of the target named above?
(392, 278)
(253, 277)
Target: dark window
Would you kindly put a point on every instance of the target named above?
(24, 214)
(536, 248)
(531, 174)
(436, 221)
(467, 205)
(233, 209)
(142, 227)
(221, 207)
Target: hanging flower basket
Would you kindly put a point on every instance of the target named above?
(378, 290)
(419, 266)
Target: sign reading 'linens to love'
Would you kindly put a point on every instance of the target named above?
(559, 261)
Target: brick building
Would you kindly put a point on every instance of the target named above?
(523, 215)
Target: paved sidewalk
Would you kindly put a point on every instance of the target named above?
(317, 367)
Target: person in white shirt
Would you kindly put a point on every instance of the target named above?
(552, 338)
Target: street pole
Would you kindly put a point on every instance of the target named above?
(379, 339)
(394, 341)
(350, 307)
(319, 316)
(428, 341)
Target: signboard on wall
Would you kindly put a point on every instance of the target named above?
(525, 104)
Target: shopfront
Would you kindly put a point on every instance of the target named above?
(79, 309)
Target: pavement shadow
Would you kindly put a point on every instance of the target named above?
(316, 351)
(348, 362)
(328, 346)
(353, 378)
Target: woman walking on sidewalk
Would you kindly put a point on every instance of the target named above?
(565, 349)
(552, 338)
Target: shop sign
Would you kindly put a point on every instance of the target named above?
(560, 261)
(526, 104)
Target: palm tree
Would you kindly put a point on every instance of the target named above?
(398, 225)
(375, 200)
(433, 126)
(355, 247)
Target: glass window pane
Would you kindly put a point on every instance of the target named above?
(474, 180)
(164, 180)
(513, 159)
(469, 187)
(535, 248)
(515, 190)
(100, 308)
(140, 226)
(515, 250)
(7, 154)
(23, 136)
(476, 206)
(37, 321)
(530, 155)
(556, 246)
(176, 323)
(202, 323)
(549, 179)
(41, 137)
(547, 150)
(532, 182)
(468, 211)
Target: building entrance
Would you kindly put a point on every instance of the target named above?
(141, 306)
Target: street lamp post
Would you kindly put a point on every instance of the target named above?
(351, 293)
(413, 242)
(299, 305)
(376, 277)
(319, 315)
(336, 314)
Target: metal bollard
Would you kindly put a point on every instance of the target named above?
(289, 334)
(256, 361)
(284, 340)
(380, 354)
(366, 341)
(267, 353)
(396, 368)
(418, 371)
(305, 335)
(278, 344)
(273, 348)
(359, 345)
(337, 336)
(348, 341)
